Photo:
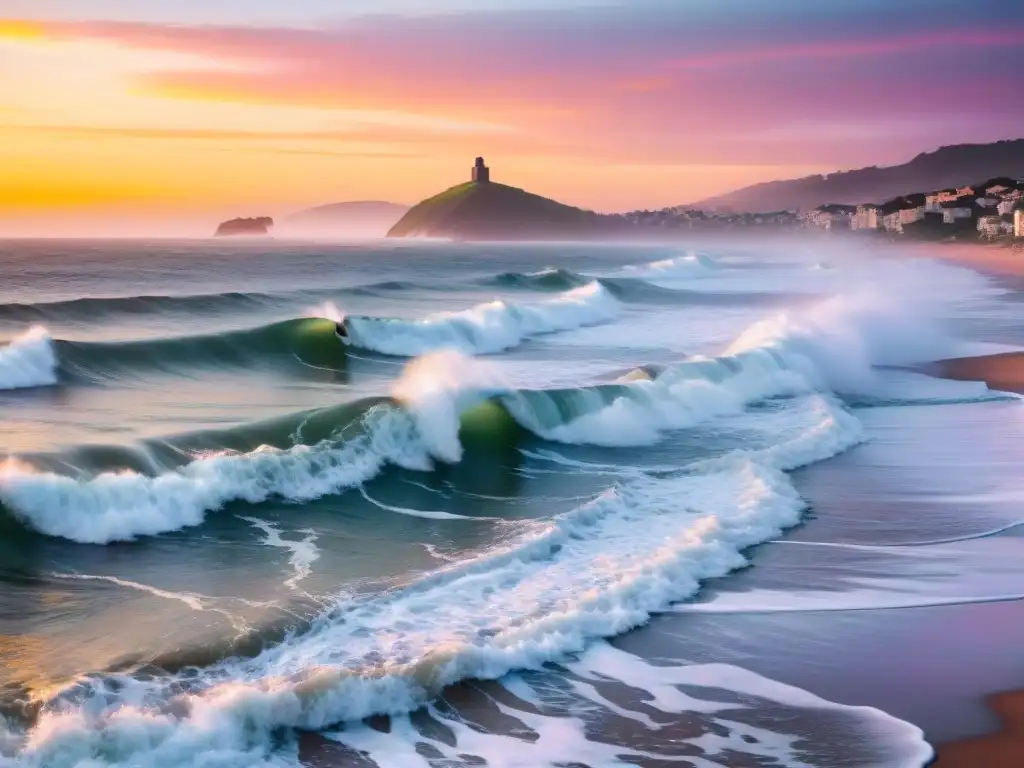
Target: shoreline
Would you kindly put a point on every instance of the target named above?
(1006, 259)
(1003, 371)
(1003, 748)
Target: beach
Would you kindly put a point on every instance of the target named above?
(1002, 744)
(1001, 259)
(564, 504)
(1002, 749)
(1003, 371)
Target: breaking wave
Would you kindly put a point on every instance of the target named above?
(485, 328)
(650, 540)
(439, 397)
(593, 572)
(28, 361)
(687, 266)
(35, 359)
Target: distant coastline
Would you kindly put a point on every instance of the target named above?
(947, 166)
(480, 209)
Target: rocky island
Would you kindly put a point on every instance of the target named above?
(256, 227)
(483, 210)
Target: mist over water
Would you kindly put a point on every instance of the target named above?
(515, 454)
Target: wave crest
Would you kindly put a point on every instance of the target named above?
(28, 361)
(485, 328)
(593, 572)
(690, 265)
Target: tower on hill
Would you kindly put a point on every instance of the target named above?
(481, 173)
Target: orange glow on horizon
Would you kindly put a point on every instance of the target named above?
(22, 30)
(191, 119)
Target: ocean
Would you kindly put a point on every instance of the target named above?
(545, 505)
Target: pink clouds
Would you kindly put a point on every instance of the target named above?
(896, 44)
(626, 87)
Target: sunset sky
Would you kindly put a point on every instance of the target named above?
(196, 109)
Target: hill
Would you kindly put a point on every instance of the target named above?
(952, 166)
(359, 218)
(490, 211)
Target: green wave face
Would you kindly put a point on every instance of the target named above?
(544, 280)
(306, 341)
(489, 425)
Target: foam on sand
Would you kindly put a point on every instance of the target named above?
(551, 720)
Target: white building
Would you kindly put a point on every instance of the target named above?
(988, 202)
(990, 226)
(949, 215)
(827, 220)
(866, 217)
(910, 215)
(1006, 206)
(894, 222)
(936, 200)
(1018, 223)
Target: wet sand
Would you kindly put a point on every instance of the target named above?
(1004, 371)
(1003, 259)
(1004, 749)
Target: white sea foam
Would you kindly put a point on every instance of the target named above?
(682, 396)
(125, 505)
(118, 506)
(593, 572)
(436, 388)
(192, 600)
(303, 553)
(30, 360)
(328, 311)
(837, 345)
(833, 347)
(427, 514)
(687, 266)
(485, 328)
(551, 725)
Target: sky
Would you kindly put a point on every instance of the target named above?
(200, 109)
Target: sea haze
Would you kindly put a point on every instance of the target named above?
(543, 505)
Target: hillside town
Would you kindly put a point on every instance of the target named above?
(991, 210)
(683, 217)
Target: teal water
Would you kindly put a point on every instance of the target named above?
(223, 528)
